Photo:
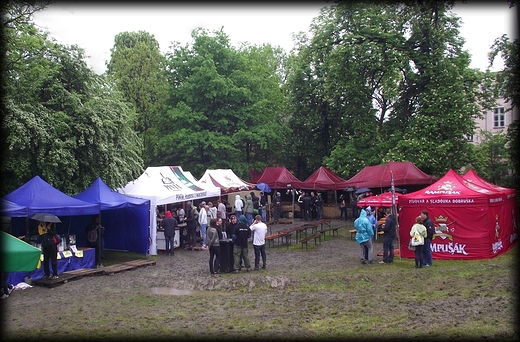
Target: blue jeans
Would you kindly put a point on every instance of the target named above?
(170, 243)
(388, 249)
(259, 251)
(427, 252)
(319, 211)
(203, 228)
(214, 259)
(262, 212)
(249, 217)
(343, 213)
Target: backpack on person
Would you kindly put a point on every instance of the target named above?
(92, 236)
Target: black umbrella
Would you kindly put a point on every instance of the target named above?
(396, 190)
(45, 217)
(362, 190)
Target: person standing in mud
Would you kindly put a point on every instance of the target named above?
(169, 223)
(213, 243)
(259, 230)
(364, 234)
(427, 259)
(277, 205)
(191, 225)
(240, 239)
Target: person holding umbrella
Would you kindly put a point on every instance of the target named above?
(50, 243)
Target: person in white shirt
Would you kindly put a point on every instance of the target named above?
(238, 206)
(203, 223)
(259, 231)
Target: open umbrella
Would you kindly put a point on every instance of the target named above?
(396, 190)
(263, 187)
(17, 255)
(45, 217)
(350, 189)
(362, 190)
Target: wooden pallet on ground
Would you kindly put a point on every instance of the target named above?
(141, 263)
(65, 277)
(127, 266)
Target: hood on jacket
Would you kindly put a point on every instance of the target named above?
(242, 219)
(369, 209)
(168, 214)
(362, 213)
(248, 197)
(237, 197)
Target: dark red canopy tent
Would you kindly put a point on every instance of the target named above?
(278, 178)
(323, 179)
(471, 222)
(378, 176)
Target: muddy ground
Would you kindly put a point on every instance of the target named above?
(42, 313)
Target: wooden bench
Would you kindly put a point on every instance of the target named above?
(316, 237)
(277, 236)
(322, 222)
(270, 239)
(352, 234)
(334, 230)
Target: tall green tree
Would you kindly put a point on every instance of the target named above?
(61, 121)
(138, 68)
(490, 159)
(510, 89)
(225, 106)
(384, 81)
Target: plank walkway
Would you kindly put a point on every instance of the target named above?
(65, 277)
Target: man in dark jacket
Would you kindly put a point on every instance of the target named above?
(240, 236)
(389, 228)
(191, 225)
(169, 223)
(307, 202)
(427, 259)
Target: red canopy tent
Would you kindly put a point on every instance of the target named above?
(472, 177)
(323, 179)
(383, 200)
(378, 176)
(470, 221)
(278, 178)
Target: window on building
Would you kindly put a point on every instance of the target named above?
(499, 118)
(469, 137)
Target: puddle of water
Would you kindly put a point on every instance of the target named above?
(168, 291)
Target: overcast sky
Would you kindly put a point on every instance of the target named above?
(94, 26)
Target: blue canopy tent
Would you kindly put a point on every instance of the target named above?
(38, 196)
(10, 209)
(125, 218)
(41, 197)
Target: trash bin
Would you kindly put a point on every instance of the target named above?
(226, 255)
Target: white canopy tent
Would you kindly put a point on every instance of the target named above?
(226, 180)
(166, 185)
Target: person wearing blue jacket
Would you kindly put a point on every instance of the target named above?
(364, 234)
(373, 222)
(372, 218)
